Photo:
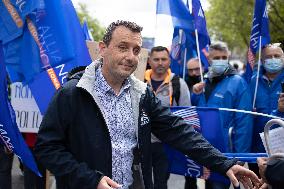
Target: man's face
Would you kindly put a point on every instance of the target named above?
(159, 62)
(218, 55)
(120, 58)
(193, 68)
(270, 52)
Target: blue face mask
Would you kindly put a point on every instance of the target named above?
(273, 65)
(219, 66)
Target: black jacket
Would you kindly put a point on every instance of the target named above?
(274, 172)
(74, 141)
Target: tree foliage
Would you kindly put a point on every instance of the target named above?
(94, 26)
(231, 21)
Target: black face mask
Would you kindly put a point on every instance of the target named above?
(194, 79)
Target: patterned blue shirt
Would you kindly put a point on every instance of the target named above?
(119, 118)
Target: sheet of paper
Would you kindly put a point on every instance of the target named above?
(275, 140)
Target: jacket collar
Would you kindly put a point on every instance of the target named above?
(87, 80)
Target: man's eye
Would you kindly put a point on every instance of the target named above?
(122, 47)
(136, 51)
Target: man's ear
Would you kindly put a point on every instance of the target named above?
(102, 47)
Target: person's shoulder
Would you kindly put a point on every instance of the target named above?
(238, 79)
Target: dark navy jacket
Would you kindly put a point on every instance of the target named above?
(75, 145)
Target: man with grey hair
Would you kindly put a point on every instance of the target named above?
(224, 88)
(97, 130)
(270, 95)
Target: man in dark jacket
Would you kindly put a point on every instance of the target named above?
(96, 132)
(271, 171)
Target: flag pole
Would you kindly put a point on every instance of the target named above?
(257, 76)
(184, 63)
(198, 54)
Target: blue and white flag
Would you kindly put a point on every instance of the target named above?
(179, 12)
(260, 27)
(87, 33)
(10, 135)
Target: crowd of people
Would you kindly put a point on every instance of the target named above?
(104, 128)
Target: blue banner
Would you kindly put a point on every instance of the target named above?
(46, 41)
(13, 14)
(260, 27)
(42, 86)
(179, 12)
(200, 24)
(9, 132)
(206, 121)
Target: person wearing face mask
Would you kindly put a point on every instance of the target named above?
(194, 75)
(224, 88)
(269, 96)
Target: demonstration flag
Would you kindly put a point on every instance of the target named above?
(207, 122)
(81, 56)
(260, 29)
(10, 135)
(87, 33)
(183, 25)
(179, 12)
(45, 40)
(200, 26)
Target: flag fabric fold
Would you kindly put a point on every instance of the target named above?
(206, 121)
(45, 42)
(87, 33)
(260, 27)
(10, 135)
(179, 12)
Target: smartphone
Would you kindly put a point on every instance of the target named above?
(282, 87)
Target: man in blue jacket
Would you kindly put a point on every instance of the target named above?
(268, 92)
(224, 88)
(96, 133)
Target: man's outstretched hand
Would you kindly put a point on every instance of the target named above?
(248, 178)
(107, 183)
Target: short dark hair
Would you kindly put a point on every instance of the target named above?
(159, 49)
(109, 30)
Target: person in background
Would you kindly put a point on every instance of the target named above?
(269, 93)
(31, 180)
(193, 70)
(172, 91)
(224, 88)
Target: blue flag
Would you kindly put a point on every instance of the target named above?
(179, 12)
(260, 27)
(200, 24)
(12, 20)
(47, 33)
(206, 121)
(87, 34)
(43, 86)
(9, 132)
(182, 49)
(184, 41)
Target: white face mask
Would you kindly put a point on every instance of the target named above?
(273, 65)
(219, 66)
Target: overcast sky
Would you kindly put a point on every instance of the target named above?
(143, 12)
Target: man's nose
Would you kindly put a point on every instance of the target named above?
(130, 55)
